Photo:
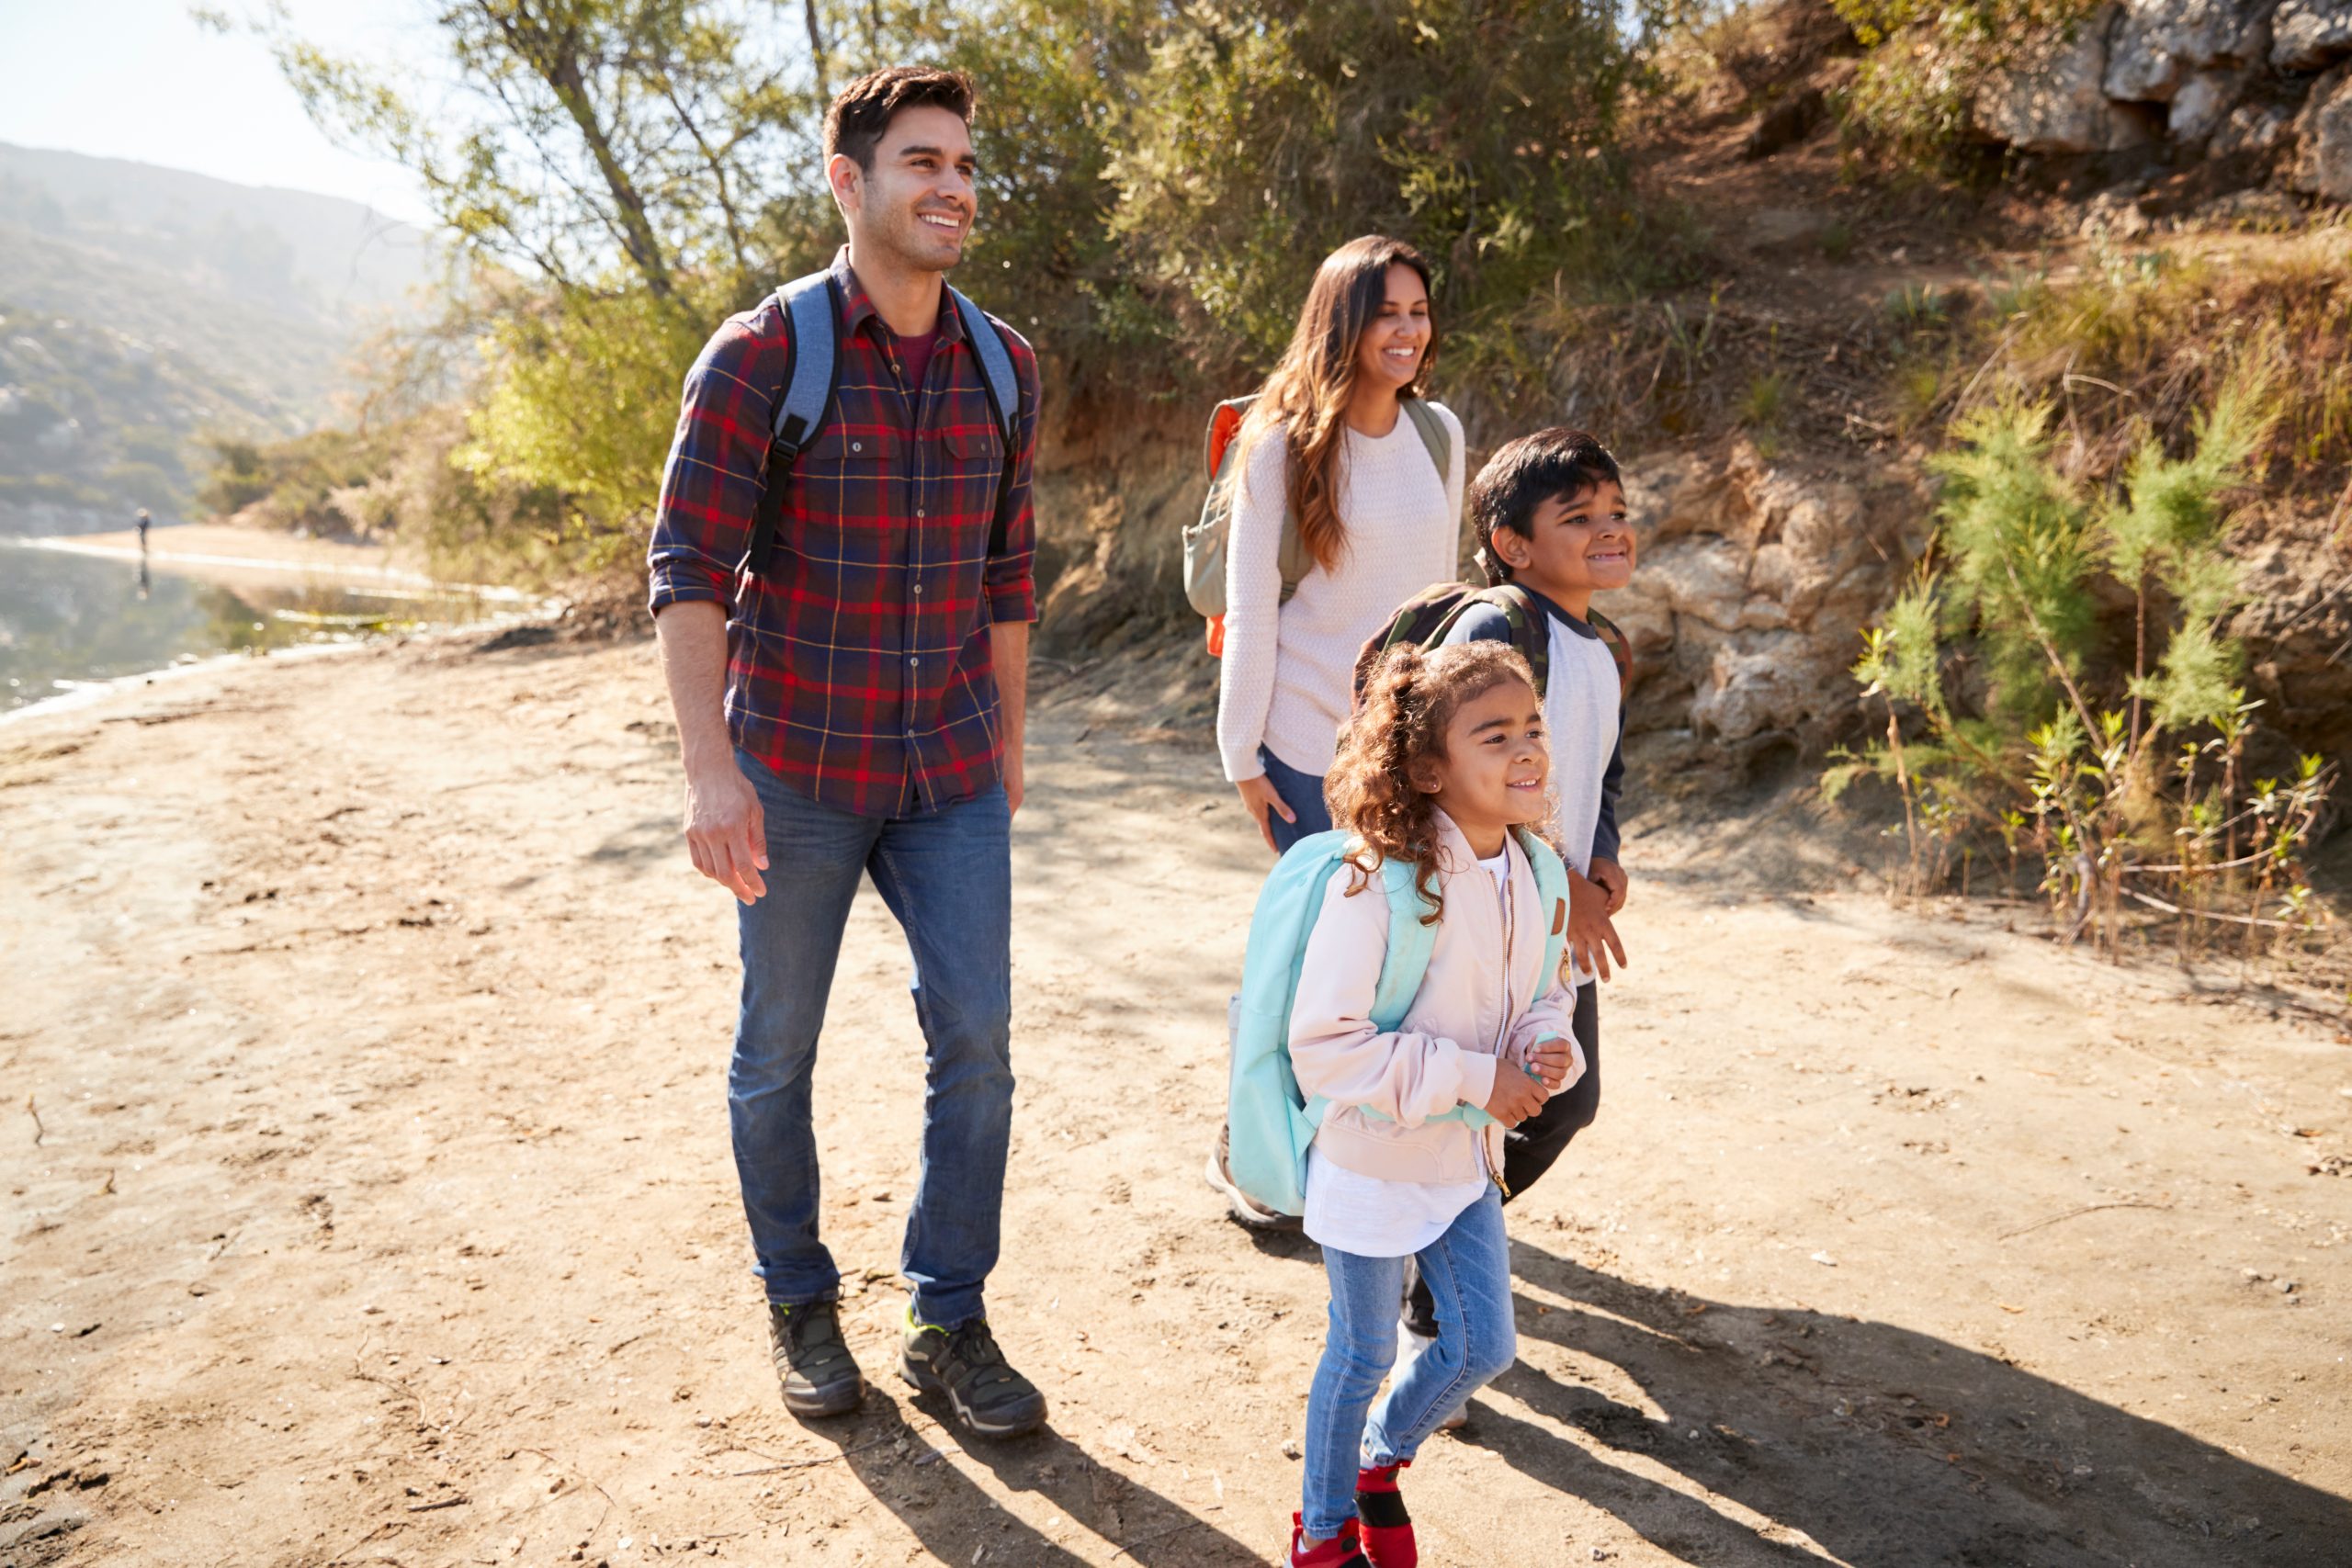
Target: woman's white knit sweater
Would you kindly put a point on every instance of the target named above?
(1288, 668)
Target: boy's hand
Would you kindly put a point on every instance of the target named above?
(1556, 1061)
(1591, 938)
(1610, 877)
(1517, 1095)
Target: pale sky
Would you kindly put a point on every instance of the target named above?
(139, 79)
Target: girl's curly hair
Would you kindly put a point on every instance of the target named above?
(1411, 695)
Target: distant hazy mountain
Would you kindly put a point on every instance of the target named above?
(141, 306)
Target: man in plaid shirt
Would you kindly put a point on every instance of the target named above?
(856, 708)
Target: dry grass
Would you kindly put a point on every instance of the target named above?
(2134, 342)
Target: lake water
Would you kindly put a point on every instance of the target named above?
(68, 620)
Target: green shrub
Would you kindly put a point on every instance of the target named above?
(2123, 782)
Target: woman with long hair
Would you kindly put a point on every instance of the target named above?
(1349, 502)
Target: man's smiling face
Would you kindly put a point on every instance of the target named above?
(917, 202)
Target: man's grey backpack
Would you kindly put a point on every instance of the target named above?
(1205, 540)
(812, 365)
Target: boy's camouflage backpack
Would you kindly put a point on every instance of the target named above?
(1428, 615)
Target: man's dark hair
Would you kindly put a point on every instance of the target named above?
(1558, 464)
(861, 115)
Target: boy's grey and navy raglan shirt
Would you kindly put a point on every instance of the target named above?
(1585, 718)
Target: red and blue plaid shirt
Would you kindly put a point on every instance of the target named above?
(858, 661)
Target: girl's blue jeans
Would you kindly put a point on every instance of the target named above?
(1467, 1270)
(1302, 792)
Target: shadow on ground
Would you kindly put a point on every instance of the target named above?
(958, 1523)
(1887, 1447)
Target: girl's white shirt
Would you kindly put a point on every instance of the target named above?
(1289, 670)
(1373, 1217)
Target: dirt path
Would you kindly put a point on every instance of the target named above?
(370, 1199)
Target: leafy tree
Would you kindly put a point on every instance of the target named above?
(1261, 137)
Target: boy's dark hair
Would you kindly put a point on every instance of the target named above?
(860, 116)
(1558, 464)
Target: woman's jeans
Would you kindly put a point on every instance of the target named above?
(947, 875)
(1302, 792)
(1468, 1273)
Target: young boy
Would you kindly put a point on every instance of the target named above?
(1550, 514)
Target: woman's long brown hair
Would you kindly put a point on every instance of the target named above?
(1411, 696)
(1306, 397)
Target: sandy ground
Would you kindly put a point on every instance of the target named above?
(369, 1198)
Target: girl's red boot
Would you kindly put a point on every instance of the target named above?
(1387, 1530)
(1340, 1551)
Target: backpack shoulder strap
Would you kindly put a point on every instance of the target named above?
(1005, 399)
(996, 364)
(1411, 940)
(1430, 425)
(1552, 884)
(1530, 630)
(813, 364)
(1621, 648)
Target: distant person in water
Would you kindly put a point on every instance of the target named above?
(142, 530)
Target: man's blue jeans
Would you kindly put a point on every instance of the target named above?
(1469, 1273)
(947, 876)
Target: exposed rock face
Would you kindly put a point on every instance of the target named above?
(2324, 131)
(1747, 610)
(2056, 103)
(2252, 129)
(2308, 35)
(2204, 100)
(2159, 45)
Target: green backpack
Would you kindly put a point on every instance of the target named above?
(1205, 540)
(1428, 615)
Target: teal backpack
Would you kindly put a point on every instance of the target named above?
(1270, 1121)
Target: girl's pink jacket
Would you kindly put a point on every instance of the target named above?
(1474, 1014)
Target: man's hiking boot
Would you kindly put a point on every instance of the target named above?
(1245, 1210)
(1341, 1552)
(965, 1364)
(819, 1375)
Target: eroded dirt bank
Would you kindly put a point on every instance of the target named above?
(370, 1199)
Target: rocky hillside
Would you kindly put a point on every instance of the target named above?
(1783, 488)
(142, 307)
(2260, 84)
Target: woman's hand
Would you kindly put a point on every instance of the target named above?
(1257, 798)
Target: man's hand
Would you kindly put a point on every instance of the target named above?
(727, 832)
(1591, 938)
(1259, 799)
(1014, 785)
(1008, 658)
(1610, 877)
(1557, 1061)
(1517, 1095)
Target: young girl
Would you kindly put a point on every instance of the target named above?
(1442, 766)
